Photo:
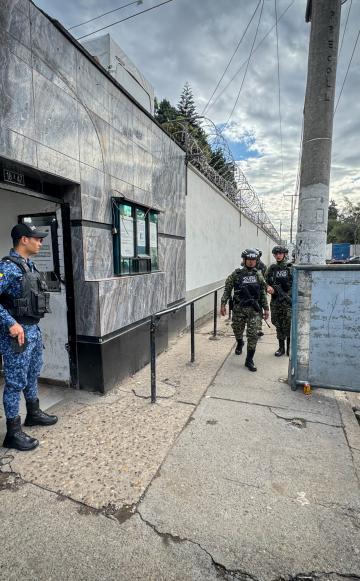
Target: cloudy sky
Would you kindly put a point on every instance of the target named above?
(193, 40)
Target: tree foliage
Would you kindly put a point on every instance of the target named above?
(185, 114)
(344, 226)
(186, 106)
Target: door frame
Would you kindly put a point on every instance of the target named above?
(68, 267)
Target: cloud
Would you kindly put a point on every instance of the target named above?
(192, 40)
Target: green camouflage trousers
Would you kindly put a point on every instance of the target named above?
(249, 318)
(281, 319)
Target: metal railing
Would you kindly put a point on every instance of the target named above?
(154, 319)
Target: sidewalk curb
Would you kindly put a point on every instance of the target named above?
(351, 428)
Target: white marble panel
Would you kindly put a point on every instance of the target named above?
(22, 5)
(122, 113)
(72, 196)
(15, 21)
(51, 75)
(57, 163)
(91, 139)
(95, 195)
(96, 141)
(18, 147)
(145, 198)
(53, 47)
(143, 168)
(56, 116)
(172, 261)
(142, 130)
(87, 308)
(92, 88)
(15, 47)
(122, 157)
(16, 97)
(98, 253)
(119, 188)
(86, 293)
(125, 300)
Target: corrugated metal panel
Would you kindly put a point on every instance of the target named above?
(341, 251)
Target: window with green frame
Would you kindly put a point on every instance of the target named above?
(135, 238)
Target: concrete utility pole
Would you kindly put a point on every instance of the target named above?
(318, 125)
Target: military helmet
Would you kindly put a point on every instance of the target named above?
(250, 253)
(279, 250)
(259, 252)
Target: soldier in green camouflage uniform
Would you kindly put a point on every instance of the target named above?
(262, 267)
(279, 278)
(250, 300)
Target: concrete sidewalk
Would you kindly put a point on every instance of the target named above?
(249, 481)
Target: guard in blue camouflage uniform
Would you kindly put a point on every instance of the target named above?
(23, 302)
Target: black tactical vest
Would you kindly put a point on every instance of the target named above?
(34, 300)
(280, 275)
(246, 288)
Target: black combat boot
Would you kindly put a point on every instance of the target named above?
(16, 438)
(239, 346)
(288, 346)
(249, 362)
(36, 417)
(281, 350)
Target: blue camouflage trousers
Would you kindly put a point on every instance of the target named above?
(21, 370)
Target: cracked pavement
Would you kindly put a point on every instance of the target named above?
(247, 480)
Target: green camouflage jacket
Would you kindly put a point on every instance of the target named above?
(236, 276)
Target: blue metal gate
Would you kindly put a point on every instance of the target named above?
(326, 318)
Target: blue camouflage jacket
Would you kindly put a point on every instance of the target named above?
(10, 283)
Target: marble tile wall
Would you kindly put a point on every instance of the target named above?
(86, 294)
(172, 262)
(95, 194)
(61, 114)
(98, 251)
(56, 118)
(14, 19)
(129, 299)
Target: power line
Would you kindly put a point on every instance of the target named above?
(247, 66)
(345, 27)
(138, 2)
(255, 49)
(347, 71)
(232, 56)
(124, 19)
(279, 99)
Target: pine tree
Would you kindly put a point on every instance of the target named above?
(183, 120)
(186, 106)
(165, 112)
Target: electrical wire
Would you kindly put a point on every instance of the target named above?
(279, 99)
(345, 27)
(255, 49)
(246, 69)
(138, 2)
(347, 72)
(231, 59)
(124, 19)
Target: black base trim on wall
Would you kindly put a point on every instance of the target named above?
(103, 365)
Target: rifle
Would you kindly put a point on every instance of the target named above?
(281, 294)
(251, 302)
